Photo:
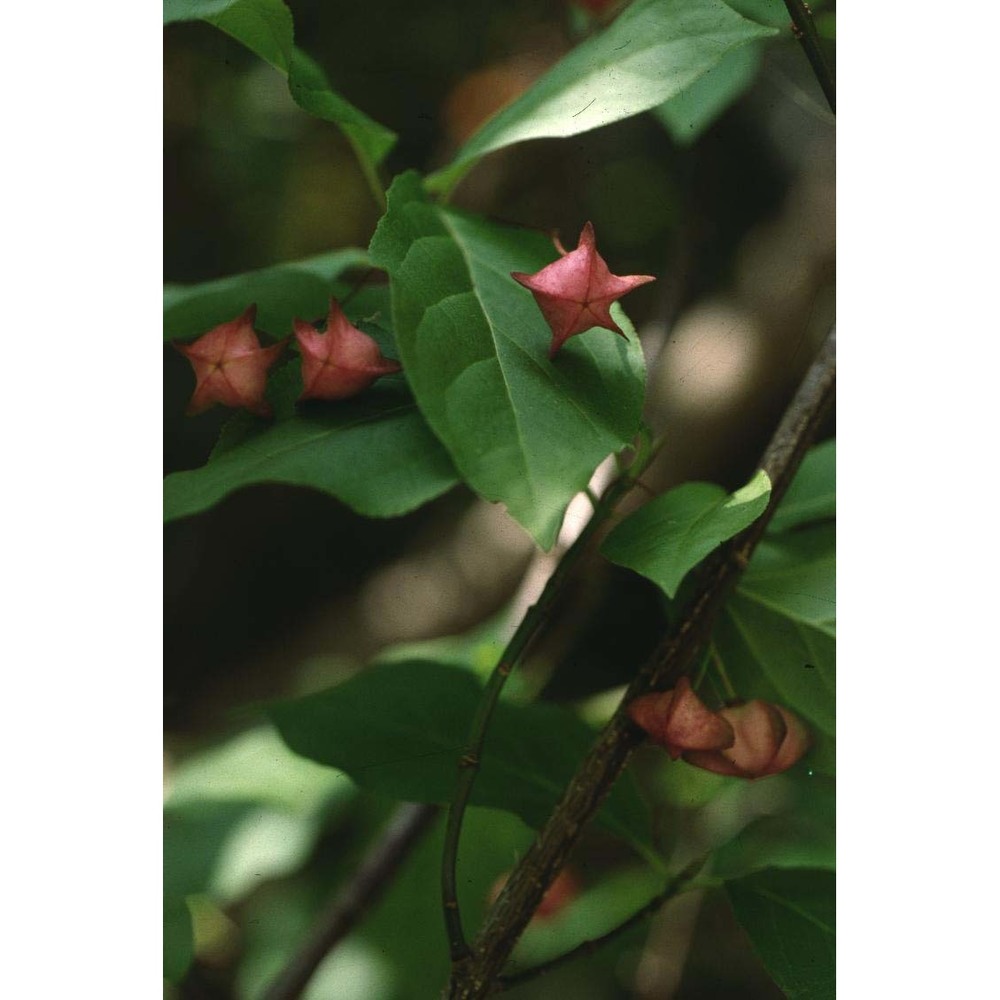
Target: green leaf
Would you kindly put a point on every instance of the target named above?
(521, 429)
(812, 495)
(652, 51)
(790, 918)
(776, 635)
(256, 766)
(689, 113)
(299, 289)
(670, 535)
(243, 812)
(399, 728)
(310, 90)
(265, 27)
(773, 13)
(596, 911)
(178, 938)
(801, 835)
(375, 453)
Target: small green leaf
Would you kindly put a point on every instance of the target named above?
(652, 51)
(265, 27)
(521, 429)
(178, 938)
(790, 917)
(812, 495)
(399, 728)
(670, 535)
(689, 113)
(299, 289)
(776, 635)
(375, 453)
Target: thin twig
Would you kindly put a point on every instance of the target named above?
(477, 975)
(805, 32)
(674, 887)
(405, 828)
(470, 760)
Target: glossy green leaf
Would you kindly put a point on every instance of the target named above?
(375, 453)
(299, 289)
(801, 835)
(790, 918)
(812, 495)
(178, 938)
(399, 728)
(671, 534)
(776, 635)
(689, 113)
(652, 51)
(521, 429)
(265, 27)
(773, 13)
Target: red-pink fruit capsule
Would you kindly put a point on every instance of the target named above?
(575, 293)
(231, 367)
(341, 362)
(680, 721)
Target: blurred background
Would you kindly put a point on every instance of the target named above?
(281, 591)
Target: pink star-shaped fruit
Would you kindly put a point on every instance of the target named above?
(340, 363)
(575, 293)
(231, 367)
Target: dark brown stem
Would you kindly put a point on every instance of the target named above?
(805, 32)
(469, 762)
(404, 829)
(674, 887)
(478, 974)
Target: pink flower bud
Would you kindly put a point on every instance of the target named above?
(575, 293)
(231, 367)
(769, 740)
(680, 721)
(341, 362)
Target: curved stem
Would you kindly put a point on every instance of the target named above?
(805, 32)
(470, 760)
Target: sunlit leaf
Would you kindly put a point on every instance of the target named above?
(689, 113)
(522, 429)
(671, 534)
(375, 453)
(651, 52)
